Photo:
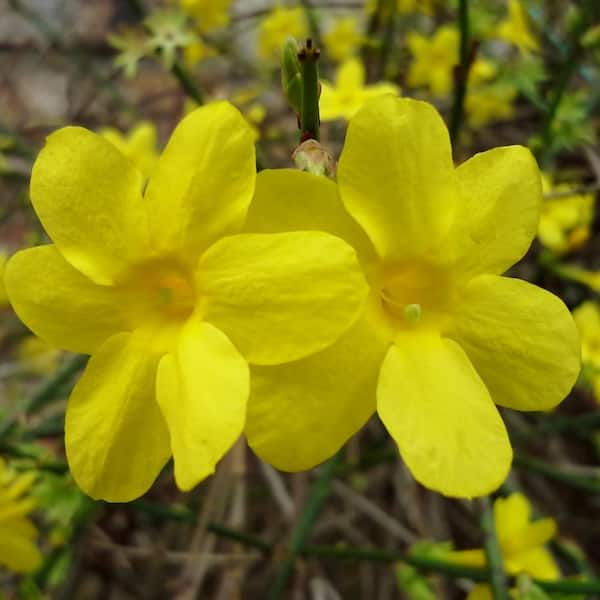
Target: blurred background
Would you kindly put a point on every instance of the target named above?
(359, 526)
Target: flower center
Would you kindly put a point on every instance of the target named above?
(415, 293)
(161, 291)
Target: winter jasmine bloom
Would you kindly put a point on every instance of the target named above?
(343, 38)
(169, 301)
(208, 14)
(276, 27)
(515, 29)
(444, 337)
(522, 543)
(139, 145)
(346, 97)
(566, 218)
(18, 551)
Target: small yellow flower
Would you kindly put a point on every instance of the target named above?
(445, 337)
(587, 319)
(515, 29)
(38, 356)
(565, 221)
(434, 59)
(171, 300)
(276, 27)
(196, 52)
(18, 551)
(139, 145)
(405, 7)
(522, 543)
(489, 103)
(346, 97)
(208, 14)
(343, 39)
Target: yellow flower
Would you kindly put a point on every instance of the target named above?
(565, 221)
(18, 551)
(515, 29)
(411, 6)
(3, 297)
(276, 27)
(521, 542)
(587, 319)
(444, 336)
(196, 52)
(208, 14)
(39, 356)
(350, 92)
(170, 300)
(488, 103)
(434, 59)
(139, 145)
(342, 40)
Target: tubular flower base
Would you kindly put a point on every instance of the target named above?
(444, 336)
(18, 551)
(170, 304)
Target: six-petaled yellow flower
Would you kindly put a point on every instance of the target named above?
(346, 97)
(343, 38)
(515, 29)
(522, 544)
(276, 27)
(566, 219)
(208, 14)
(444, 337)
(18, 550)
(170, 302)
(139, 145)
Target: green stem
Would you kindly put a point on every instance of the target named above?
(48, 390)
(318, 494)
(461, 73)
(309, 118)
(568, 69)
(424, 564)
(388, 38)
(186, 82)
(493, 552)
(588, 484)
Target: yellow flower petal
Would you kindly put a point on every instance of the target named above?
(537, 562)
(501, 195)
(511, 518)
(202, 390)
(441, 415)
(17, 552)
(302, 412)
(291, 200)
(283, 296)
(88, 198)
(58, 303)
(204, 181)
(521, 339)
(396, 176)
(480, 592)
(115, 436)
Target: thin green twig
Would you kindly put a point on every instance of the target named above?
(566, 73)
(309, 117)
(461, 72)
(314, 504)
(48, 390)
(493, 552)
(588, 484)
